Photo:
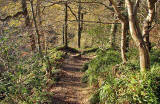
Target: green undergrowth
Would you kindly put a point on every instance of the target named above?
(98, 67)
(117, 83)
(56, 57)
(26, 81)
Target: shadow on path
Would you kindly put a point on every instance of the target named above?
(70, 89)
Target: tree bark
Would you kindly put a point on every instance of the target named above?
(66, 25)
(79, 24)
(63, 32)
(137, 37)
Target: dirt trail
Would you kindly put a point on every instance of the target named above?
(70, 89)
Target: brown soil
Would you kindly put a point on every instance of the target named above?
(70, 89)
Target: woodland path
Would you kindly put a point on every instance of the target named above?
(70, 89)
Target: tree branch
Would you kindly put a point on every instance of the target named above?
(117, 11)
(97, 3)
(72, 12)
(94, 22)
(54, 3)
(12, 16)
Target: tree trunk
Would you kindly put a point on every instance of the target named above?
(79, 24)
(42, 37)
(148, 23)
(127, 39)
(28, 25)
(63, 39)
(137, 37)
(82, 16)
(113, 35)
(66, 25)
(124, 23)
(39, 12)
(123, 41)
(36, 27)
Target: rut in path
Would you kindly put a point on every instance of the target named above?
(70, 89)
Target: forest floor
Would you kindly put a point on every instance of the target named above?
(70, 89)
